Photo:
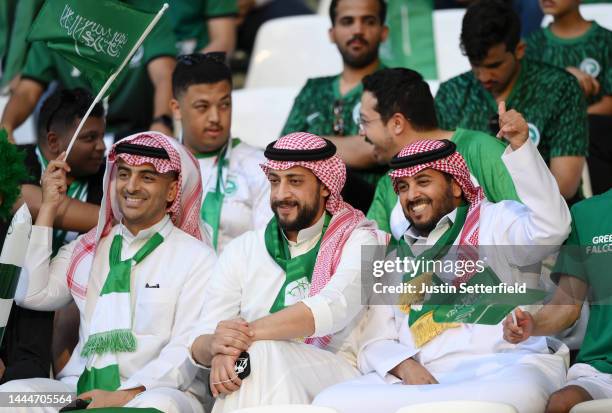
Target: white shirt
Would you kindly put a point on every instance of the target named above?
(178, 270)
(247, 280)
(246, 203)
(542, 220)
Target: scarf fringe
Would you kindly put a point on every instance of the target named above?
(114, 341)
(425, 329)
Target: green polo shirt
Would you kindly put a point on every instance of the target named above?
(591, 53)
(588, 256)
(131, 103)
(481, 152)
(313, 111)
(549, 98)
(189, 18)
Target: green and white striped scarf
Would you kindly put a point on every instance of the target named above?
(111, 323)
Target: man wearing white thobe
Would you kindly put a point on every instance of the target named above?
(464, 361)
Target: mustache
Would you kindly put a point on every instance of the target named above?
(359, 38)
(279, 204)
(418, 201)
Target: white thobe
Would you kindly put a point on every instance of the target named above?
(164, 288)
(246, 203)
(471, 362)
(245, 284)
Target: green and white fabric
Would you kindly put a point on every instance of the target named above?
(111, 325)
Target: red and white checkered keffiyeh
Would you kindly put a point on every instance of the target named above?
(184, 211)
(345, 219)
(454, 165)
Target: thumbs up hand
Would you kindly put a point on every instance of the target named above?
(512, 126)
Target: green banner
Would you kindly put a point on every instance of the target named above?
(95, 36)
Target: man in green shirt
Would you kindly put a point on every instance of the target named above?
(329, 106)
(583, 264)
(397, 109)
(204, 25)
(141, 95)
(584, 49)
(549, 98)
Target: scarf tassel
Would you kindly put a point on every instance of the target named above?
(425, 329)
(114, 341)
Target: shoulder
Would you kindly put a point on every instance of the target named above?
(189, 245)
(546, 74)
(247, 159)
(315, 83)
(536, 38)
(463, 80)
(468, 140)
(587, 207)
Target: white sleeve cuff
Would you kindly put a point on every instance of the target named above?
(321, 312)
(41, 236)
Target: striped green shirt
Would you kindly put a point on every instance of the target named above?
(591, 53)
(549, 98)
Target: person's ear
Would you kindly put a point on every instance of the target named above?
(456, 189)
(172, 191)
(54, 143)
(324, 191)
(175, 107)
(519, 52)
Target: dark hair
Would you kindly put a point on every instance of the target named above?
(63, 107)
(486, 24)
(198, 68)
(402, 91)
(382, 11)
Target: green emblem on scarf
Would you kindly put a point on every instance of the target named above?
(298, 270)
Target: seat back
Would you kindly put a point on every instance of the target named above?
(290, 50)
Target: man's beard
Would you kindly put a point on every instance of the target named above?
(306, 215)
(361, 61)
(446, 206)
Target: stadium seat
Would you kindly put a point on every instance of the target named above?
(289, 50)
(323, 9)
(593, 406)
(601, 13)
(293, 408)
(447, 30)
(24, 134)
(258, 115)
(458, 407)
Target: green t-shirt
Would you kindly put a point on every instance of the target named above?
(131, 103)
(549, 98)
(481, 152)
(591, 53)
(313, 111)
(410, 42)
(189, 18)
(587, 255)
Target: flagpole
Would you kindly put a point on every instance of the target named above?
(112, 78)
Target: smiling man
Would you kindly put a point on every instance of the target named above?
(549, 98)
(408, 356)
(235, 192)
(294, 285)
(134, 313)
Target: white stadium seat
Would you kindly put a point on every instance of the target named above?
(292, 408)
(289, 50)
(594, 406)
(258, 115)
(458, 407)
(447, 30)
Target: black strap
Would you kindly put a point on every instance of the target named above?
(317, 154)
(141, 150)
(447, 149)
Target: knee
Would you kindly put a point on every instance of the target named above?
(558, 403)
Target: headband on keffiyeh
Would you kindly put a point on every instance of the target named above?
(165, 154)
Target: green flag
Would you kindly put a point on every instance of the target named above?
(95, 36)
